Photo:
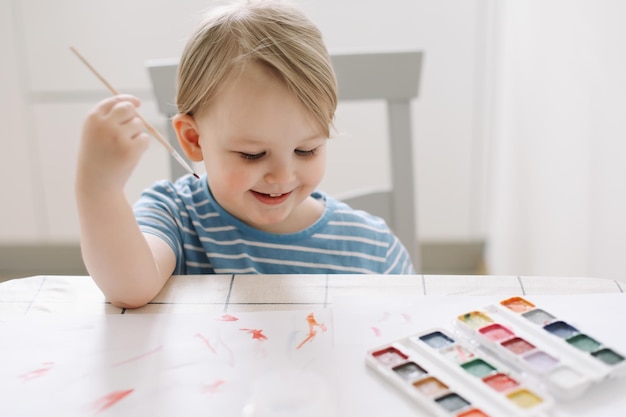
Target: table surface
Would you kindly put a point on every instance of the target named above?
(51, 294)
(75, 307)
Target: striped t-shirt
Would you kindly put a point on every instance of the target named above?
(208, 240)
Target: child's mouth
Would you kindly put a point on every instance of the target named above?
(271, 198)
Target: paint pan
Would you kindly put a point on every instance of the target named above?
(605, 362)
(485, 374)
(567, 360)
(427, 381)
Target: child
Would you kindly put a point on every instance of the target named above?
(256, 99)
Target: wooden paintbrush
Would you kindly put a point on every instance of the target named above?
(150, 128)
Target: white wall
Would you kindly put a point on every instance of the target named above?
(46, 91)
(559, 178)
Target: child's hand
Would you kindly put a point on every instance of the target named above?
(113, 140)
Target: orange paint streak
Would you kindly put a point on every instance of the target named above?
(110, 400)
(256, 333)
(312, 332)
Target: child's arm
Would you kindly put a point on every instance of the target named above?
(129, 267)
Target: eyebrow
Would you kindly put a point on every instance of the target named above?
(245, 140)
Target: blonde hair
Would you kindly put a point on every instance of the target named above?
(269, 32)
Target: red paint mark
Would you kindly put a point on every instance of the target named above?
(228, 317)
(312, 325)
(213, 387)
(206, 342)
(36, 373)
(376, 331)
(110, 400)
(136, 358)
(256, 333)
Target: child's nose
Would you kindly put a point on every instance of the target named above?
(280, 173)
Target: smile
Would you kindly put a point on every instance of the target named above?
(272, 198)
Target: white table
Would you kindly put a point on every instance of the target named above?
(62, 327)
(225, 293)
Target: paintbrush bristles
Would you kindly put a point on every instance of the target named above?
(148, 126)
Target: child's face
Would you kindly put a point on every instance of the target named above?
(263, 153)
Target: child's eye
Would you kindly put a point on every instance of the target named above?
(310, 152)
(252, 156)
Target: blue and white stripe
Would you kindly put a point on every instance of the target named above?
(208, 240)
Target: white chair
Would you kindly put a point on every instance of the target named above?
(393, 77)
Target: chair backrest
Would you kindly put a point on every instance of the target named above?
(390, 76)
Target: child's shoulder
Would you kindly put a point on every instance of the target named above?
(186, 191)
(342, 213)
(185, 185)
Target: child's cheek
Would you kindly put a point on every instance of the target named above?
(238, 178)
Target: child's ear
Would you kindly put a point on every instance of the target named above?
(187, 132)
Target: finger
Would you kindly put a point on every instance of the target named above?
(131, 128)
(106, 105)
(122, 112)
(142, 141)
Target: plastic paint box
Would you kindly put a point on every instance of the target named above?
(506, 359)
(449, 377)
(567, 360)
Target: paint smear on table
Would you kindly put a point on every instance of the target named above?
(213, 387)
(388, 316)
(213, 349)
(36, 373)
(227, 317)
(206, 342)
(109, 400)
(256, 333)
(312, 332)
(138, 357)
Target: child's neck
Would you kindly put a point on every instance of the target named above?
(303, 217)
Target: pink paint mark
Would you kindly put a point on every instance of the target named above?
(386, 316)
(206, 342)
(462, 354)
(376, 331)
(136, 358)
(213, 387)
(256, 333)
(36, 373)
(228, 317)
(231, 355)
(110, 400)
(220, 342)
(312, 332)
(406, 317)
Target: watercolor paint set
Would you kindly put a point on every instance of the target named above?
(566, 359)
(510, 358)
(449, 377)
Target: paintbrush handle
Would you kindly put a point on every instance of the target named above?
(148, 126)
